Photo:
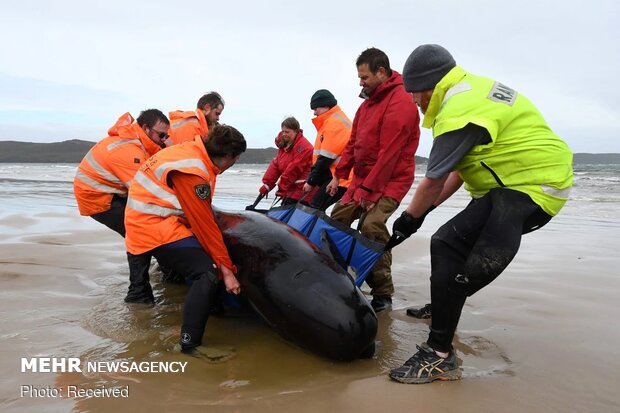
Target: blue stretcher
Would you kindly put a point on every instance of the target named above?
(350, 249)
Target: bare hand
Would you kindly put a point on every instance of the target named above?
(307, 188)
(366, 204)
(230, 281)
(332, 187)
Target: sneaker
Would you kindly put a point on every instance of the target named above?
(381, 302)
(423, 313)
(426, 366)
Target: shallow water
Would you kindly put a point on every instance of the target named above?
(529, 342)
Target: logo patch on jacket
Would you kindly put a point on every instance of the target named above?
(203, 191)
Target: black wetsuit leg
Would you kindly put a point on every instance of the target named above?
(471, 250)
(199, 269)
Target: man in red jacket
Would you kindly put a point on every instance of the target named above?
(291, 165)
(381, 151)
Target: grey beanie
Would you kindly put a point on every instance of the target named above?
(322, 98)
(425, 67)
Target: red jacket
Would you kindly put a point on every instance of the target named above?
(291, 165)
(384, 139)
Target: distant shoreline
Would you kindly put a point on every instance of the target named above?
(72, 151)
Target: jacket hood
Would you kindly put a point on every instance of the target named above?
(384, 88)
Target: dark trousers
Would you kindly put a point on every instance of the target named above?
(184, 257)
(471, 250)
(322, 200)
(114, 218)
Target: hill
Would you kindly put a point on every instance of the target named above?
(596, 158)
(73, 151)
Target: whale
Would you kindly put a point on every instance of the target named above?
(298, 289)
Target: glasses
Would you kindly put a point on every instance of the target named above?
(162, 135)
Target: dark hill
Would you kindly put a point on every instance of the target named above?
(74, 150)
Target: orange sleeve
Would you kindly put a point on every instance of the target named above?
(200, 216)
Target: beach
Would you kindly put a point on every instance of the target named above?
(539, 338)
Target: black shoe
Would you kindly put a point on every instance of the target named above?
(381, 302)
(423, 313)
(426, 366)
(144, 299)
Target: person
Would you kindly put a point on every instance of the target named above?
(169, 216)
(519, 174)
(186, 125)
(102, 179)
(381, 152)
(291, 165)
(333, 131)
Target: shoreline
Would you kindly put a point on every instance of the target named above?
(530, 339)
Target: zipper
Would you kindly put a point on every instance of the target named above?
(487, 167)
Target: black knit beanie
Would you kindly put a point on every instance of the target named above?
(322, 98)
(425, 67)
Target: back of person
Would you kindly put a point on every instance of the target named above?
(109, 166)
(147, 229)
(185, 126)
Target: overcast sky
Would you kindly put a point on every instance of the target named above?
(70, 68)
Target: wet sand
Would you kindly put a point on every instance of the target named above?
(540, 338)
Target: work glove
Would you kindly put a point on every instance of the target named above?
(405, 226)
(263, 190)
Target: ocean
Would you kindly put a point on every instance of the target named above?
(596, 189)
(541, 335)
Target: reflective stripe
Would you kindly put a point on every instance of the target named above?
(560, 193)
(342, 119)
(157, 191)
(152, 209)
(183, 122)
(458, 88)
(328, 154)
(98, 186)
(183, 163)
(101, 171)
(315, 152)
(121, 142)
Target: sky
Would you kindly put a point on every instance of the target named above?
(69, 69)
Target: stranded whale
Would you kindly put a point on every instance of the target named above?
(301, 292)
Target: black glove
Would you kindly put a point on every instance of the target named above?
(405, 226)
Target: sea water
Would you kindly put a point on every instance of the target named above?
(537, 331)
(49, 186)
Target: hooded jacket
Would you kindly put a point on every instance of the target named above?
(110, 165)
(384, 139)
(291, 166)
(186, 125)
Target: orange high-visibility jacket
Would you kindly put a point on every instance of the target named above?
(186, 125)
(154, 215)
(333, 132)
(110, 165)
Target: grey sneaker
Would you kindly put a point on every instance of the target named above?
(426, 366)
